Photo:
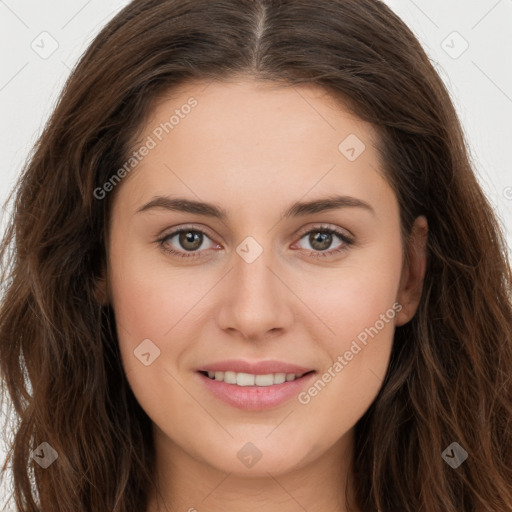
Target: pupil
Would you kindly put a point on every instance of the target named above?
(190, 237)
(323, 238)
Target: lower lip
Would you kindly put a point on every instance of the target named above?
(256, 398)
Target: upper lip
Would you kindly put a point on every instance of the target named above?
(254, 367)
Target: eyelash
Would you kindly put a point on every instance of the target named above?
(347, 242)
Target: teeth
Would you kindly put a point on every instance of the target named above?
(264, 380)
(230, 377)
(245, 379)
(248, 379)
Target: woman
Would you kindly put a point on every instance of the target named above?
(252, 268)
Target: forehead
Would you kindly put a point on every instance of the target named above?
(244, 114)
(261, 137)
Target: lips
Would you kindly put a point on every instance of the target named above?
(255, 368)
(254, 385)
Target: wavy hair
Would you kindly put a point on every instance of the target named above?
(449, 376)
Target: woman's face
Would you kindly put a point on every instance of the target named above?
(259, 178)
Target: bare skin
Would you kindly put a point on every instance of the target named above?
(254, 149)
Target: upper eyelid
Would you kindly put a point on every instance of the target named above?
(324, 227)
(176, 231)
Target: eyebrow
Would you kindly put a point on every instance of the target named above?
(295, 210)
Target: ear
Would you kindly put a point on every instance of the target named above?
(411, 282)
(101, 292)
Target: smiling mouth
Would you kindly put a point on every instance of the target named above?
(249, 379)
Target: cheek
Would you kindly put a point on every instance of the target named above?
(146, 304)
(352, 298)
(148, 295)
(361, 310)
(358, 306)
(151, 317)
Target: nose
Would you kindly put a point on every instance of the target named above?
(255, 299)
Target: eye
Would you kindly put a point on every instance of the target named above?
(189, 240)
(321, 238)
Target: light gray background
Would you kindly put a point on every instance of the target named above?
(479, 77)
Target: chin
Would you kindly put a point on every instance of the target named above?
(257, 458)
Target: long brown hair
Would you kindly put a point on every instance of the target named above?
(449, 377)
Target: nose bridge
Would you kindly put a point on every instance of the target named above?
(252, 276)
(255, 300)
